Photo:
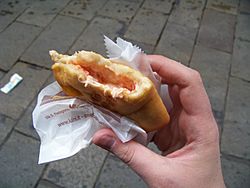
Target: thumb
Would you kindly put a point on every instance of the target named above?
(142, 160)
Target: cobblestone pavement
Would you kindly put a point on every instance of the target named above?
(212, 36)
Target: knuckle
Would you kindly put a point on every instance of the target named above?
(161, 56)
(127, 155)
(196, 76)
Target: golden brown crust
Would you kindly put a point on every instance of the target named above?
(117, 87)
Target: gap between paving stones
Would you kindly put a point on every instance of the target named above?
(100, 170)
(242, 79)
(136, 12)
(210, 31)
(20, 169)
(224, 7)
(78, 170)
(229, 73)
(56, 36)
(88, 23)
(177, 42)
(235, 158)
(35, 38)
(85, 12)
(205, 61)
(24, 134)
(228, 81)
(197, 34)
(145, 28)
(157, 7)
(243, 29)
(225, 99)
(41, 12)
(121, 10)
(140, 7)
(32, 64)
(26, 34)
(17, 120)
(15, 124)
(120, 32)
(14, 20)
(43, 183)
(43, 172)
(9, 134)
(162, 31)
(42, 30)
(92, 38)
(29, 110)
(15, 103)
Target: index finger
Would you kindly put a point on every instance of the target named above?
(193, 96)
(171, 71)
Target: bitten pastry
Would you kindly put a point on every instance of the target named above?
(117, 87)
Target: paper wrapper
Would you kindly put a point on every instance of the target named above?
(66, 124)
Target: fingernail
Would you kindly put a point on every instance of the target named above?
(106, 142)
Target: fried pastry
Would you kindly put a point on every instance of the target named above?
(117, 87)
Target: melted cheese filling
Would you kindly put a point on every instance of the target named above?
(102, 77)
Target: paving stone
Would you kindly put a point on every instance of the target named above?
(14, 103)
(217, 30)
(80, 170)
(92, 37)
(10, 10)
(6, 125)
(236, 174)
(213, 66)
(83, 9)
(245, 6)
(121, 10)
(50, 80)
(241, 59)
(59, 35)
(19, 156)
(177, 42)
(42, 12)
(145, 28)
(236, 132)
(187, 12)
(11, 40)
(117, 174)
(1, 74)
(243, 27)
(164, 6)
(137, 1)
(25, 123)
(226, 6)
(46, 184)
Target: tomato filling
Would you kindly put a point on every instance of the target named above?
(107, 77)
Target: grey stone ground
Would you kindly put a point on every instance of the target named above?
(212, 36)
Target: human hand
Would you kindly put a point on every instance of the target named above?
(189, 144)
